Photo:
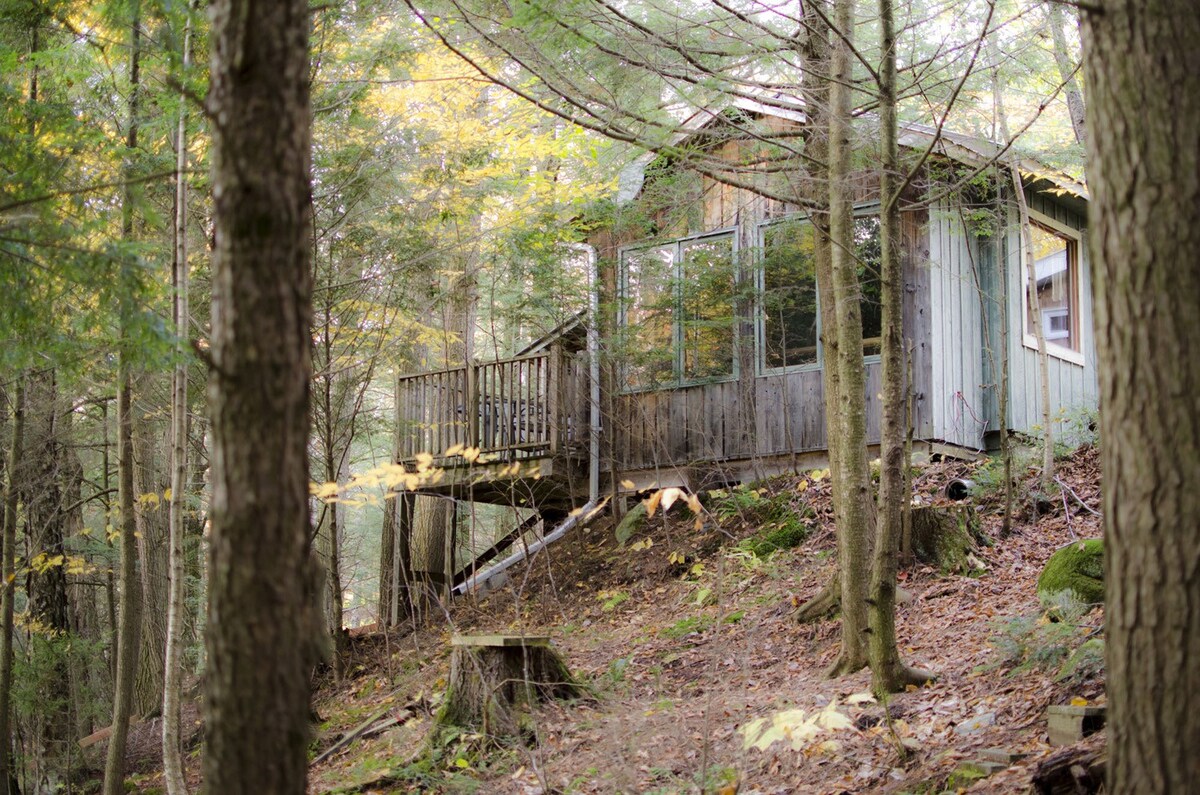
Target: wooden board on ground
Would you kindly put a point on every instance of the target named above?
(500, 640)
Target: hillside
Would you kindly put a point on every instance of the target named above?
(681, 656)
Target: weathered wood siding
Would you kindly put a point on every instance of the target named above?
(958, 394)
(1072, 386)
(968, 320)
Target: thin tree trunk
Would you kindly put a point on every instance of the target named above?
(815, 54)
(8, 586)
(848, 426)
(888, 673)
(884, 656)
(1039, 331)
(1066, 72)
(1031, 292)
(1141, 63)
(1006, 452)
(127, 630)
(172, 737)
(153, 538)
(259, 622)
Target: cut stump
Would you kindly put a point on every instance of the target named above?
(946, 536)
(493, 676)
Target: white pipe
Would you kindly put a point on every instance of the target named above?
(482, 578)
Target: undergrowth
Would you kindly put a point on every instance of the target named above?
(1054, 640)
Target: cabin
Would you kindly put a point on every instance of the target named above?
(700, 361)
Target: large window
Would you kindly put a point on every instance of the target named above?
(790, 320)
(1056, 279)
(677, 312)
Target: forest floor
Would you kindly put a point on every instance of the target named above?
(685, 637)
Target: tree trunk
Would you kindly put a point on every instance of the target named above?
(431, 524)
(815, 54)
(8, 585)
(1066, 72)
(42, 497)
(127, 630)
(256, 684)
(129, 608)
(151, 483)
(887, 671)
(172, 737)
(1144, 174)
(1030, 288)
(848, 425)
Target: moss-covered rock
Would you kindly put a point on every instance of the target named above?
(789, 535)
(1077, 567)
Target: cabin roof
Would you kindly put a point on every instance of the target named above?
(573, 331)
(969, 150)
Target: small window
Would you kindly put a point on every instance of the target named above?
(677, 312)
(790, 316)
(1056, 279)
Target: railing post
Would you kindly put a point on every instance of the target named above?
(553, 381)
(472, 405)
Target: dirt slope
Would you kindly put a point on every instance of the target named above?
(683, 656)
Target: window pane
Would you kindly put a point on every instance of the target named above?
(648, 303)
(706, 307)
(868, 250)
(1053, 262)
(789, 296)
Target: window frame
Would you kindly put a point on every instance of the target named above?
(678, 352)
(863, 210)
(1074, 239)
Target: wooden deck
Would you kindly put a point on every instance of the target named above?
(512, 430)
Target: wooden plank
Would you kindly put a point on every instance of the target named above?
(504, 641)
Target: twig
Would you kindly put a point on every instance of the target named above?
(1066, 510)
(1078, 499)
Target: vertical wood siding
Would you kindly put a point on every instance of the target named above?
(1072, 386)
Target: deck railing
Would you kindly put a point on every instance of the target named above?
(524, 407)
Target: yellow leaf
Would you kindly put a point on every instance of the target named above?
(453, 450)
(627, 484)
(1079, 702)
(471, 455)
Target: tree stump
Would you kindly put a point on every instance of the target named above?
(493, 676)
(945, 535)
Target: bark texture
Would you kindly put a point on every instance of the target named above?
(8, 585)
(1141, 63)
(256, 684)
(151, 484)
(847, 426)
(174, 776)
(130, 601)
(886, 668)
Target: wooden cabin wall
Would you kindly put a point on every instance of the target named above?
(958, 392)
(764, 415)
(1072, 386)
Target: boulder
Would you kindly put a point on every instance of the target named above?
(1077, 567)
